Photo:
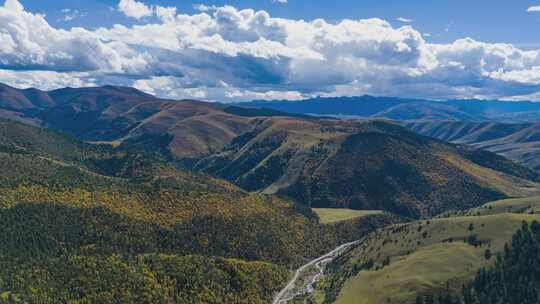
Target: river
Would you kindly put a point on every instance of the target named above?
(288, 293)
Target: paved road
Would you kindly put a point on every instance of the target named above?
(283, 296)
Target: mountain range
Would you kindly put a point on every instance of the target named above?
(111, 195)
(307, 159)
(409, 109)
(509, 128)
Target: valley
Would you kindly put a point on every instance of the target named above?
(269, 152)
(305, 277)
(255, 205)
(70, 208)
(400, 262)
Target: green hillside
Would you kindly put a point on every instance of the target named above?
(400, 262)
(529, 205)
(513, 279)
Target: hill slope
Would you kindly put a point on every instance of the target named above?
(365, 165)
(64, 217)
(118, 114)
(399, 262)
(514, 278)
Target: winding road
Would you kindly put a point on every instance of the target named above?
(287, 294)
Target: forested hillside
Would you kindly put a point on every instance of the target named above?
(93, 223)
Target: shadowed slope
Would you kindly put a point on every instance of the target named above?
(365, 165)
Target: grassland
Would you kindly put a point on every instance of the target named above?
(331, 215)
(529, 205)
(423, 257)
(428, 268)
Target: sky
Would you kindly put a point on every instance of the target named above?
(240, 50)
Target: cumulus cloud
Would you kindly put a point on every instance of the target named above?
(133, 9)
(28, 42)
(14, 5)
(281, 1)
(228, 54)
(534, 9)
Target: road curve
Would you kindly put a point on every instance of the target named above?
(280, 297)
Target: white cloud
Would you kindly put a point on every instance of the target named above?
(13, 5)
(134, 9)
(28, 42)
(534, 9)
(404, 20)
(166, 14)
(45, 80)
(223, 53)
(280, 1)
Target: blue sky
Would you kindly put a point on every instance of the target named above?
(447, 20)
(240, 50)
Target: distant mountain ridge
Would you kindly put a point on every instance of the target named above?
(409, 109)
(520, 142)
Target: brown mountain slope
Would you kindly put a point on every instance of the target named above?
(519, 142)
(197, 128)
(15, 99)
(365, 165)
(118, 114)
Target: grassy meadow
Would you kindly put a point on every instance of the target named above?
(424, 256)
(332, 215)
